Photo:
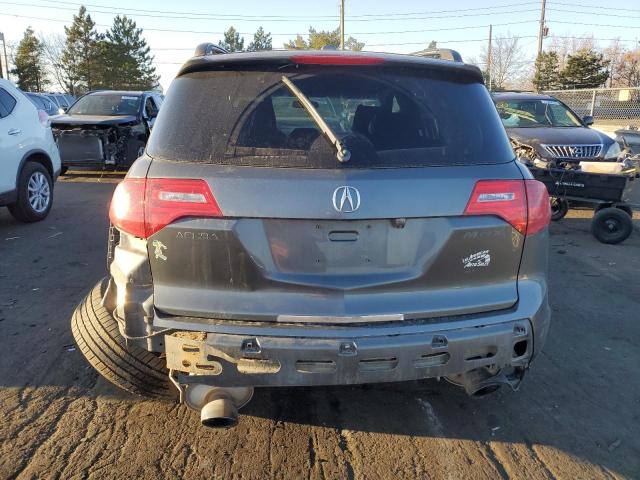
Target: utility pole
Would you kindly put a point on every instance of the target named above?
(341, 24)
(489, 57)
(5, 56)
(541, 31)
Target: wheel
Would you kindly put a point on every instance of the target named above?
(611, 225)
(625, 208)
(559, 208)
(35, 194)
(135, 149)
(126, 366)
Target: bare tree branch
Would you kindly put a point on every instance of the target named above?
(53, 48)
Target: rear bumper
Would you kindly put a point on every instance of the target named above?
(238, 360)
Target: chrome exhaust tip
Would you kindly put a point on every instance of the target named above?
(219, 412)
(218, 406)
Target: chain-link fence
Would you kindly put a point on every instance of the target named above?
(615, 106)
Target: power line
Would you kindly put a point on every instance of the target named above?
(106, 10)
(349, 33)
(635, 27)
(600, 7)
(300, 17)
(591, 13)
(467, 27)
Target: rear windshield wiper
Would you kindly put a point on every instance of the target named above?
(342, 153)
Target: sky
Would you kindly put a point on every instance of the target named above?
(173, 29)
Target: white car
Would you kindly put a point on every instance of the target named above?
(29, 158)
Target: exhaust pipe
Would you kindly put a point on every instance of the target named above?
(218, 406)
(219, 411)
(480, 382)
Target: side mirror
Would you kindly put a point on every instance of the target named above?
(587, 120)
(62, 110)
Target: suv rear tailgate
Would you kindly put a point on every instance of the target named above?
(283, 252)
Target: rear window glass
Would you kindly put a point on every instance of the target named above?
(387, 118)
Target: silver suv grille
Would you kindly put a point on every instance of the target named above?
(574, 151)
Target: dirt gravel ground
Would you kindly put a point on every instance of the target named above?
(576, 416)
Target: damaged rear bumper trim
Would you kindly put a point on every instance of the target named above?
(237, 360)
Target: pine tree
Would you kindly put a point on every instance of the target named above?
(232, 41)
(261, 41)
(81, 58)
(128, 62)
(30, 64)
(585, 69)
(547, 75)
(318, 39)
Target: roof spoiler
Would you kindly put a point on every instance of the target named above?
(441, 54)
(208, 48)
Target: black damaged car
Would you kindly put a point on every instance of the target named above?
(106, 128)
(543, 129)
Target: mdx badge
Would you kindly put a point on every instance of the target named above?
(346, 199)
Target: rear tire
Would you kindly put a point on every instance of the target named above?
(559, 208)
(626, 209)
(127, 366)
(35, 194)
(611, 225)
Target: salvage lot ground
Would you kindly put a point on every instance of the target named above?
(576, 416)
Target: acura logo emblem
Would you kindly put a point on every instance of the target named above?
(346, 199)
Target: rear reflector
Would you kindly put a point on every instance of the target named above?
(336, 59)
(523, 204)
(141, 207)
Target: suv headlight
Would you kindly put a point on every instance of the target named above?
(613, 151)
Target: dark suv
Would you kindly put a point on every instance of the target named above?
(106, 127)
(315, 218)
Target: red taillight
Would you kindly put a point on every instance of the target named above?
(336, 59)
(43, 118)
(167, 200)
(127, 207)
(523, 204)
(539, 207)
(142, 207)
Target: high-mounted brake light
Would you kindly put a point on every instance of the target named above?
(336, 59)
(523, 204)
(141, 207)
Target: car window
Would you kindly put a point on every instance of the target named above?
(109, 104)
(53, 99)
(533, 113)
(387, 118)
(37, 101)
(62, 101)
(150, 107)
(7, 103)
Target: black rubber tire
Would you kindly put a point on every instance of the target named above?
(22, 209)
(127, 366)
(626, 209)
(559, 208)
(611, 225)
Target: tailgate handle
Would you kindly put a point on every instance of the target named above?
(343, 236)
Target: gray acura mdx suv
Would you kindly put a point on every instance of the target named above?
(320, 218)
